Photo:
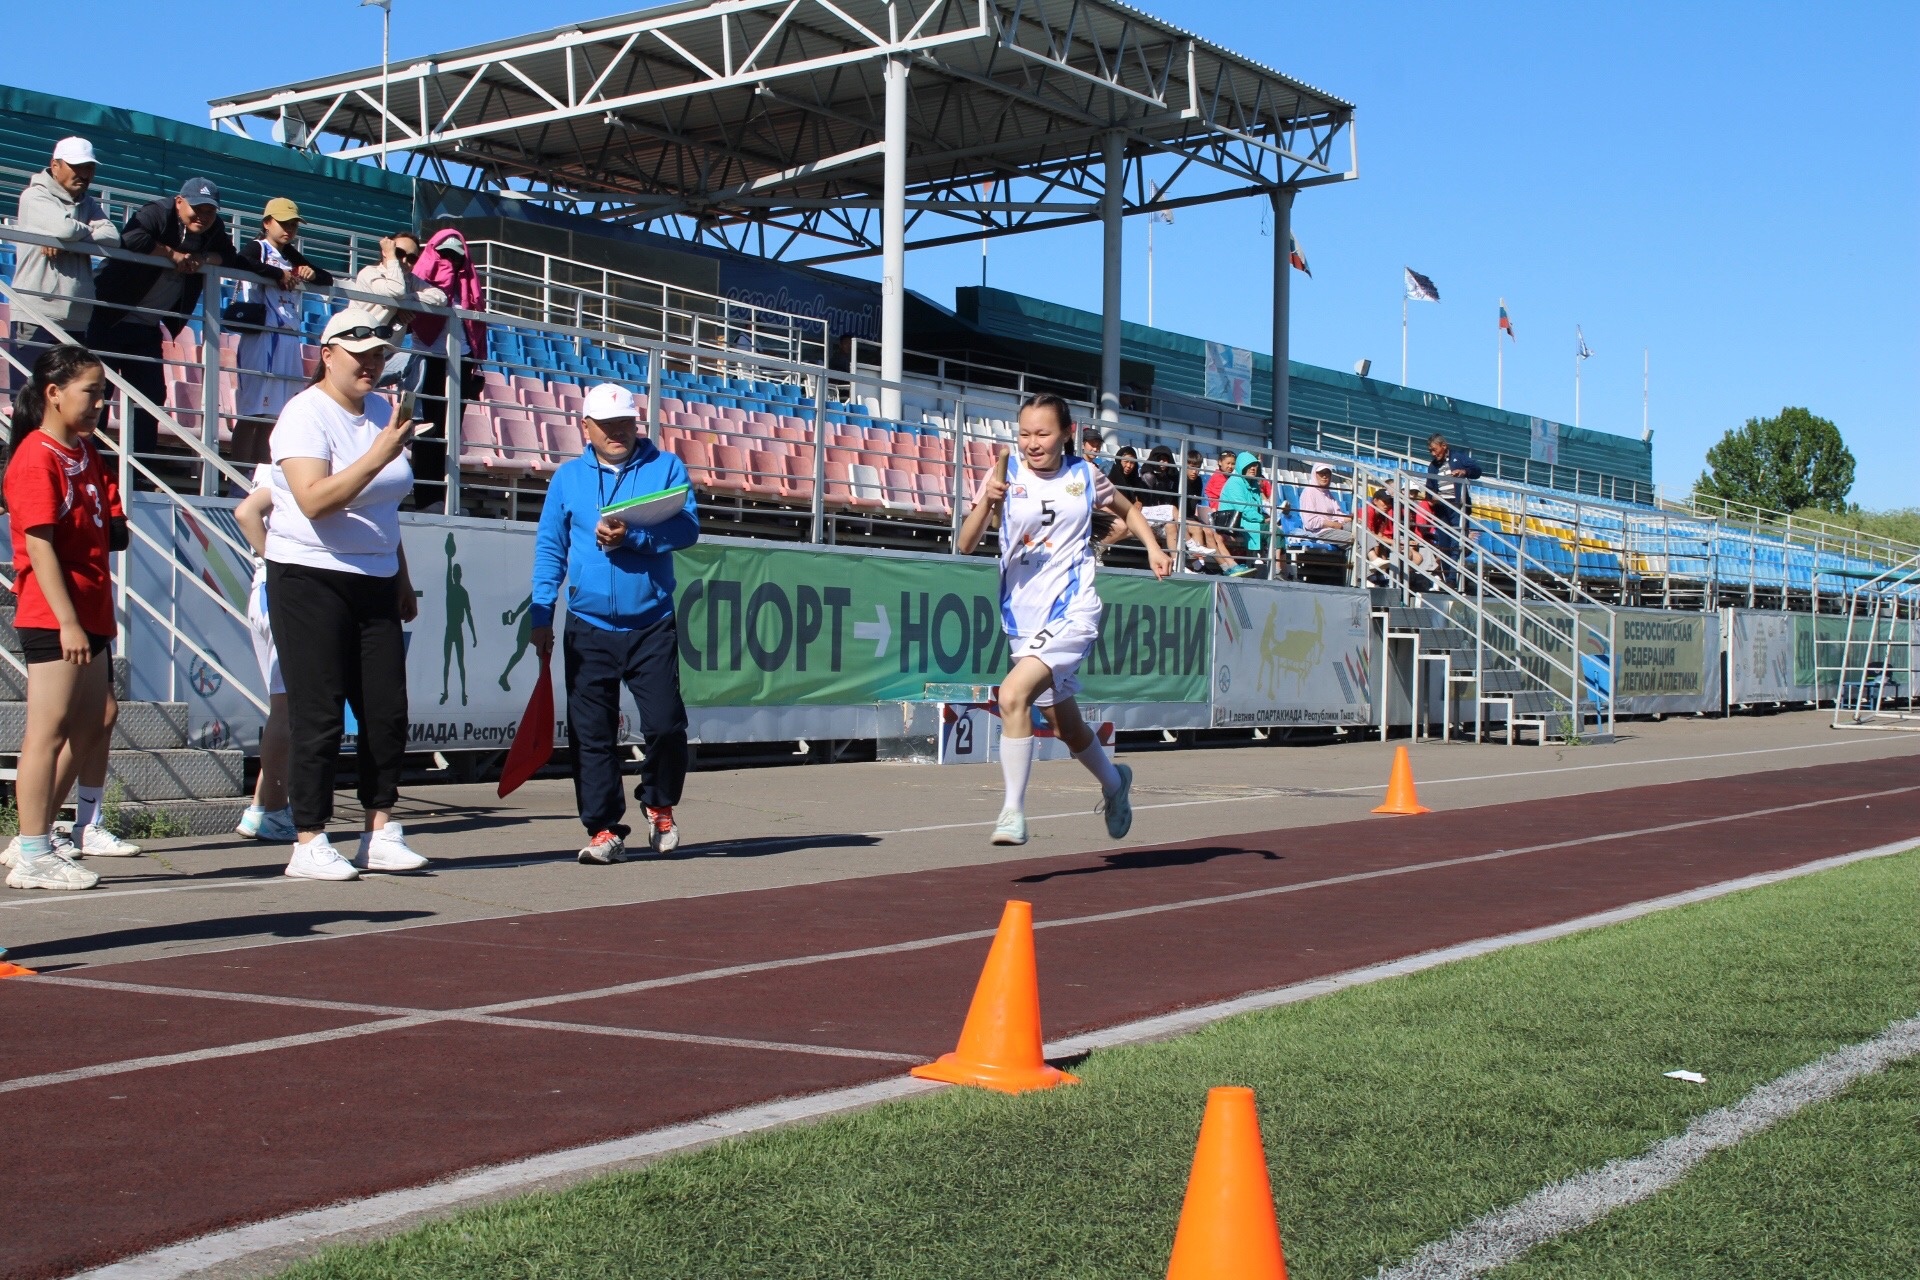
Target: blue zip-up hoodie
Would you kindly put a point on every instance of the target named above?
(631, 586)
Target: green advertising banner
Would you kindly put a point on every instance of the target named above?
(772, 626)
(1857, 643)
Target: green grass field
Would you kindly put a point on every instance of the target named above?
(1393, 1114)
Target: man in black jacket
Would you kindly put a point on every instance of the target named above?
(188, 231)
(1448, 471)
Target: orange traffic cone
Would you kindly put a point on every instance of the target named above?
(1400, 794)
(1000, 1044)
(14, 971)
(1227, 1226)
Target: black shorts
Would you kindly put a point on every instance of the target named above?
(42, 644)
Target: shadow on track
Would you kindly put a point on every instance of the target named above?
(286, 924)
(1147, 860)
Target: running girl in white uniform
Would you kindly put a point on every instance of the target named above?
(1045, 501)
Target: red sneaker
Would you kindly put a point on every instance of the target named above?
(662, 835)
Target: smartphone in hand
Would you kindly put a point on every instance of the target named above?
(403, 411)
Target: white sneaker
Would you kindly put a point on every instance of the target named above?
(386, 850)
(53, 871)
(1011, 829)
(10, 856)
(275, 825)
(1118, 807)
(98, 842)
(663, 834)
(317, 859)
(606, 848)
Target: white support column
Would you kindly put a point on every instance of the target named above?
(1282, 306)
(893, 238)
(1112, 204)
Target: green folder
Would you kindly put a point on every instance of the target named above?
(651, 508)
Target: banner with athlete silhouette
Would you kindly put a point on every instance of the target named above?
(1289, 654)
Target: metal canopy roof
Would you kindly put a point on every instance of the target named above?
(758, 124)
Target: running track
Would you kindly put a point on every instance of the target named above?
(297, 1075)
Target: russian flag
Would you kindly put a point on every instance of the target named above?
(1297, 258)
(1506, 325)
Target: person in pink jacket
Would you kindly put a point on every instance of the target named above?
(445, 265)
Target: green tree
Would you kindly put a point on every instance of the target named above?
(1783, 463)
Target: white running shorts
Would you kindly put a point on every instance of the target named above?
(1063, 648)
(263, 651)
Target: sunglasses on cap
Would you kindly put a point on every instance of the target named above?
(361, 332)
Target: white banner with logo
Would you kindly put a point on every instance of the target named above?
(1286, 653)
(1769, 656)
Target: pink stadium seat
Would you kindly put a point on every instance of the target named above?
(900, 490)
(542, 399)
(672, 404)
(788, 422)
(934, 451)
(905, 444)
(698, 456)
(730, 413)
(797, 435)
(766, 474)
(564, 440)
(479, 446)
(799, 477)
(730, 465)
(979, 453)
(933, 498)
(878, 437)
(839, 485)
(522, 384)
(520, 444)
(761, 419)
(845, 457)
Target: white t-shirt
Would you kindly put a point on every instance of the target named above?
(1046, 557)
(364, 538)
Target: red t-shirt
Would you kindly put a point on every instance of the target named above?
(70, 490)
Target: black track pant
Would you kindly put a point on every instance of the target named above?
(131, 348)
(339, 640)
(647, 661)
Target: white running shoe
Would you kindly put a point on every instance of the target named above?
(605, 848)
(10, 856)
(53, 871)
(317, 859)
(275, 825)
(1011, 829)
(663, 834)
(98, 842)
(386, 850)
(1118, 807)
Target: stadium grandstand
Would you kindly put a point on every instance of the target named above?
(822, 411)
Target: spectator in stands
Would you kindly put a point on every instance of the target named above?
(1161, 476)
(1379, 566)
(620, 622)
(1106, 530)
(1126, 476)
(338, 594)
(1321, 518)
(1243, 502)
(58, 283)
(1203, 540)
(1380, 515)
(268, 318)
(1218, 480)
(1422, 565)
(1091, 444)
(135, 299)
(1447, 492)
(392, 278)
(444, 264)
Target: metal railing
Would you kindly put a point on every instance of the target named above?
(1799, 529)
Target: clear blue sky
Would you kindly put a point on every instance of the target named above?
(1736, 188)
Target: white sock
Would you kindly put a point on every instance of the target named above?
(1095, 758)
(1016, 763)
(34, 848)
(86, 809)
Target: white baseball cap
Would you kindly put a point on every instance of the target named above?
(1320, 467)
(75, 151)
(605, 402)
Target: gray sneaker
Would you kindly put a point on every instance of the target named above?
(1118, 807)
(1011, 829)
(605, 848)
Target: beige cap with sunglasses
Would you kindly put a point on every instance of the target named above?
(350, 331)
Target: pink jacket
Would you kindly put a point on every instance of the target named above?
(462, 287)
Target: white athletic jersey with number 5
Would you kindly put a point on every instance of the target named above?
(1046, 554)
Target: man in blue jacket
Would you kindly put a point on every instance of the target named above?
(1448, 471)
(620, 625)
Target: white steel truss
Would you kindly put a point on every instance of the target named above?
(759, 125)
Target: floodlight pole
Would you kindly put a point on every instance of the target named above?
(893, 237)
(1282, 198)
(1112, 210)
(386, 32)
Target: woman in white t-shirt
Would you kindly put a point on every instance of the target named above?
(338, 595)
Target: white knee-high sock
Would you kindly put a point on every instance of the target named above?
(1095, 758)
(1016, 763)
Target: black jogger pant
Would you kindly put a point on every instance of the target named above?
(339, 640)
(131, 348)
(647, 661)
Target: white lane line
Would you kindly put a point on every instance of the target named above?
(921, 944)
(103, 895)
(204, 1055)
(1309, 792)
(1492, 1241)
(307, 1230)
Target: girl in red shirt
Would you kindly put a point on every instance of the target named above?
(65, 517)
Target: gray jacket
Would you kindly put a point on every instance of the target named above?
(61, 286)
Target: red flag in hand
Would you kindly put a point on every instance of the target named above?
(533, 743)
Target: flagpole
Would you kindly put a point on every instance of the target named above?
(1403, 338)
(1646, 383)
(1500, 364)
(1149, 271)
(1576, 387)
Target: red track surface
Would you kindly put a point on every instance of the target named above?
(146, 1157)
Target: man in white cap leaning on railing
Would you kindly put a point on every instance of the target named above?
(58, 283)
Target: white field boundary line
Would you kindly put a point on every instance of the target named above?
(1492, 1241)
(1268, 793)
(401, 1018)
(309, 1229)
